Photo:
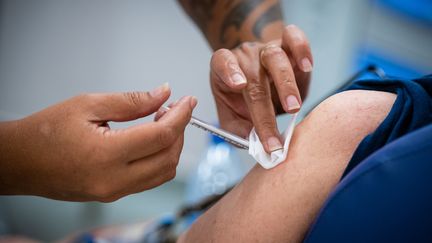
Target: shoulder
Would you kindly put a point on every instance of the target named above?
(354, 110)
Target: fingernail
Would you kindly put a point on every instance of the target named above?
(274, 144)
(306, 65)
(292, 103)
(159, 115)
(159, 90)
(238, 79)
(193, 102)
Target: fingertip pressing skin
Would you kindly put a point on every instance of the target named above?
(274, 144)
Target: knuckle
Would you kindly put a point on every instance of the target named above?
(221, 53)
(87, 98)
(247, 46)
(236, 52)
(291, 27)
(267, 124)
(172, 171)
(172, 174)
(92, 101)
(174, 161)
(271, 51)
(244, 46)
(134, 98)
(256, 91)
(232, 67)
(170, 167)
(289, 82)
(285, 73)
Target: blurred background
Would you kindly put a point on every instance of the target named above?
(51, 50)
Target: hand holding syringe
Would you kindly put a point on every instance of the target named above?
(225, 135)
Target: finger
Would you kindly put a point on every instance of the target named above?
(294, 41)
(179, 115)
(225, 65)
(159, 114)
(258, 98)
(144, 173)
(277, 64)
(128, 106)
(142, 140)
(162, 112)
(155, 170)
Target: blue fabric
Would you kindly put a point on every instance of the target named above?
(386, 198)
(411, 111)
(385, 193)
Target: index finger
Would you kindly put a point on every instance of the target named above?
(257, 95)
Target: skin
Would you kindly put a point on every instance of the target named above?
(69, 152)
(279, 205)
(257, 64)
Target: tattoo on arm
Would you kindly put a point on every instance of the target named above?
(201, 11)
(236, 16)
(273, 14)
(227, 23)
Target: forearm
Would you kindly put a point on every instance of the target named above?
(227, 23)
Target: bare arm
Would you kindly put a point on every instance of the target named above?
(227, 23)
(278, 205)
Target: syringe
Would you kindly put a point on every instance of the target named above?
(225, 135)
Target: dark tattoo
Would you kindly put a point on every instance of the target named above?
(227, 23)
(201, 11)
(272, 14)
(237, 16)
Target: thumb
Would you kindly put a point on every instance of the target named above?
(128, 106)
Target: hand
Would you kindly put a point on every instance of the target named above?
(69, 152)
(256, 81)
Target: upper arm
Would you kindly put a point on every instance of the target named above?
(278, 205)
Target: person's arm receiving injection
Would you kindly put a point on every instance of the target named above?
(261, 64)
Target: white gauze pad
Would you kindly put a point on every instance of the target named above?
(268, 161)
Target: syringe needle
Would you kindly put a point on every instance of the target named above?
(225, 135)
